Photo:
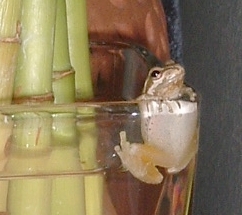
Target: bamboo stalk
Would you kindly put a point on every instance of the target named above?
(29, 153)
(79, 54)
(6, 126)
(8, 56)
(79, 47)
(68, 195)
(34, 71)
(63, 75)
(33, 84)
(88, 140)
(9, 46)
(29, 197)
(64, 86)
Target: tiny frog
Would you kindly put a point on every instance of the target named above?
(168, 131)
(166, 83)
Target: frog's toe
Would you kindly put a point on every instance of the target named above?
(174, 170)
(117, 148)
(141, 169)
(121, 168)
(134, 159)
(150, 175)
(124, 144)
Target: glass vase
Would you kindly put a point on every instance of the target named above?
(62, 159)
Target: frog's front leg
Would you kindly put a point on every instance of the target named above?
(136, 162)
(190, 92)
(141, 160)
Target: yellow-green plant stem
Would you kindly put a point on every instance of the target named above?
(6, 126)
(29, 196)
(88, 140)
(9, 45)
(80, 60)
(68, 195)
(33, 84)
(30, 151)
(63, 86)
(79, 47)
(34, 71)
(8, 56)
(63, 74)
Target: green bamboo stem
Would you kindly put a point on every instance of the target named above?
(32, 131)
(5, 133)
(79, 47)
(64, 86)
(29, 197)
(63, 74)
(9, 45)
(88, 139)
(68, 195)
(67, 192)
(8, 56)
(80, 60)
(29, 154)
(34, 71)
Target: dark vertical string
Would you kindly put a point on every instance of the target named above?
(173, 17)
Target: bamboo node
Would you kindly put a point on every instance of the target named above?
(36, 99)
(61, 74)
(16, 38)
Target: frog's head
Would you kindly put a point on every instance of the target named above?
(165, 82)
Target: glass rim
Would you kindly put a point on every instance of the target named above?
(75, 107)
(14, 108)
(141, 50)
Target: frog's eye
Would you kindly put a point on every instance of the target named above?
(156, 74)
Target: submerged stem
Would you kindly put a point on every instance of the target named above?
(88, 140)
(9, 45)
(30, 150)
